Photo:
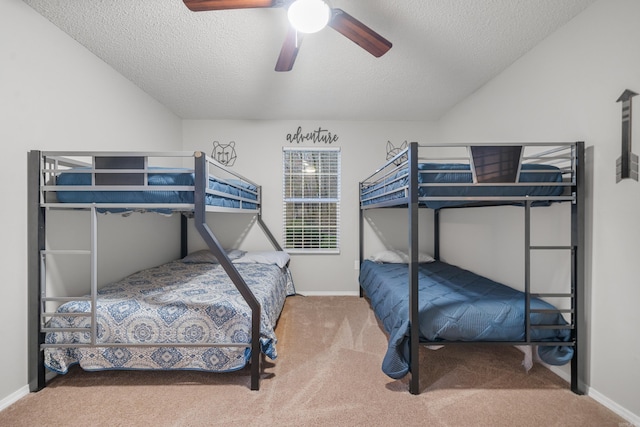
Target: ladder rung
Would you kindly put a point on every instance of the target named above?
(551, 247)
(61, 314)
(552, 295)
(554, 343)
(551, 310)
(85, 329)
(62, 299)
(69, 345)
(552, 327)
(65, 252)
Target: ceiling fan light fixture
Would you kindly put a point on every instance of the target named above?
(309, 16)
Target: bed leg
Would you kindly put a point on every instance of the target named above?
(255, 369)
(414, 384)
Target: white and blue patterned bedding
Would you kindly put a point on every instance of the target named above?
(231, 187)
(455, 305)
(173, 303)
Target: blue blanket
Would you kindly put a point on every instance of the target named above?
(454, 305)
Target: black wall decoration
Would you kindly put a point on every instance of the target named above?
(627, 164)
(316, 136)
(224, 153)
(393, 151)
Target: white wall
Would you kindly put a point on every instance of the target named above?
(566, 89)
(56, 95)
(363, 147)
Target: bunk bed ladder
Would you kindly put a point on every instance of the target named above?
(93, 295)
(38, 299)
(577, 269)
(528, 295)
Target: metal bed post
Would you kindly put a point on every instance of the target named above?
(94, 274)
(436, 234)
(360, 236)
(578, 275)
(414, 385)
(201, 186)
(36, 243)
(184, 244)
(527, 271)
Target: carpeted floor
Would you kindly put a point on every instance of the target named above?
(327, 374)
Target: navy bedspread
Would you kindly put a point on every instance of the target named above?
(454, 305)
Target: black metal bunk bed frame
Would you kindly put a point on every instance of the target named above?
(574, 193)
(39, 203)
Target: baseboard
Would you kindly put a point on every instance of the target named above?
(633, 419)
(329, 293)
(14, 397)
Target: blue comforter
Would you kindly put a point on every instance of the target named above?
(454, 305)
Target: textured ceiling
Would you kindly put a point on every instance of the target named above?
(220, 64)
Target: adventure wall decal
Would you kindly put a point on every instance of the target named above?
(315, 136)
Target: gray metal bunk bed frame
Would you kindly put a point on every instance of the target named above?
(573, 193)
(44, 165)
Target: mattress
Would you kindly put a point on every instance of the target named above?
(455, 305)
(177, 302)
(394, 187)
(228, 191)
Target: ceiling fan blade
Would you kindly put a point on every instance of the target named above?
(289, 50)
(204, 5)
(359, 33)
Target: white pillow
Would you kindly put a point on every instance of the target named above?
(280, 258)
(390, 256)
(395, 256)
(425, 257)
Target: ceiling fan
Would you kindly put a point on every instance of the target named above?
(335, 18)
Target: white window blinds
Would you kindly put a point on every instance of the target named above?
(311, 200)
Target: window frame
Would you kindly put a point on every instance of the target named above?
(334, 203)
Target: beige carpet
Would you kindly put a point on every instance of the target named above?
(327, 374)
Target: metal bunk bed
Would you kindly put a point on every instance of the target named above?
(404, 181)
(116, 174)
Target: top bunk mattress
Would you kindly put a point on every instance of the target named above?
(535, 180)
(228, 193)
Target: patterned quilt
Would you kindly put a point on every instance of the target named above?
(173, 303)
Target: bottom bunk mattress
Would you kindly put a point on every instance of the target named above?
(177, 302)
(455, 305)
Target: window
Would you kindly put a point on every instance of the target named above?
(311, 200)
